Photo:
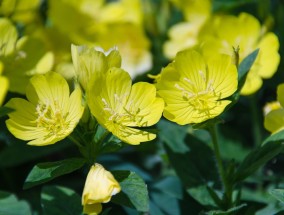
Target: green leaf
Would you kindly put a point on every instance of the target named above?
(278, 194)
(277, 137)
(166, 203)
(170, 185)
(26, 153)
(44, 172)
(169, 133)
(10, 205)
(60, 200)
(256, 159)
(230, 211)
(5, 110)
(134, 191)
(244, 68)
(193, 161)
(201, 195)
(112, 144)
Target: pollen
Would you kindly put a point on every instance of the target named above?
(198, 95)
(123, 114)
(51, 117)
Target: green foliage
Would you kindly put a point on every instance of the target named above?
(60, 200)
(259, 156)
(184, 154)
(4, 111)
(231, 211)
(25, 153)
(44, 172)
(134, 191)
(245, 66)
(278, 194)
(10, 205)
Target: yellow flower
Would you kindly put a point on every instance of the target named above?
(4, 83)
(122, 108)
(23, 11)
(91, 61)
(64, 16)
(185, 34)
(181, 36)
(194, 10)
(270, 106)
(195, 91)
(224, 32)
(123, 11)
(132, 44)
(8, 37)
(22, 58)
(100, 186)
(274, 120)
(49, 115)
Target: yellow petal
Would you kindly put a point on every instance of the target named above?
(8, 36)
(75, 106)
(252, 84)
(24, 132)
(224, 75)
(133, 136)
(100, 186)
(189, 64)
(268, 57)
(280, 94)
(92, 209)
(25, 112)
(274, 120)
(143, 98)
(4, 83)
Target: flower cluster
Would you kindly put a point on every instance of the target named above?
(98, 97)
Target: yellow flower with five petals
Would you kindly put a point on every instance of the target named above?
(195, 90)
(49, 115)
(122, 108)
(221, 33)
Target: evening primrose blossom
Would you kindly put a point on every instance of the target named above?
(89, 62)
(274, 119)
(122, 108)
(221, 33)
(185, 35)
(49, 115)
(99, 187)
(195, 91)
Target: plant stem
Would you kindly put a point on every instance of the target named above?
(256, 121)
(227, 189)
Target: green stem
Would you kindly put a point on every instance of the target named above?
(256, 121)
(95, 147)
(227, 189)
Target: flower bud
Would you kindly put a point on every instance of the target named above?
(100, 185)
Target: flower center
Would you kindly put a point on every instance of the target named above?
(201, 96)
(123, 114)
(51, 117)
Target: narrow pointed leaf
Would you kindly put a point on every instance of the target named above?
(45, 172)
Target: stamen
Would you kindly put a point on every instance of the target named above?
(126, 115)
(50, 117)
(199, 96)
